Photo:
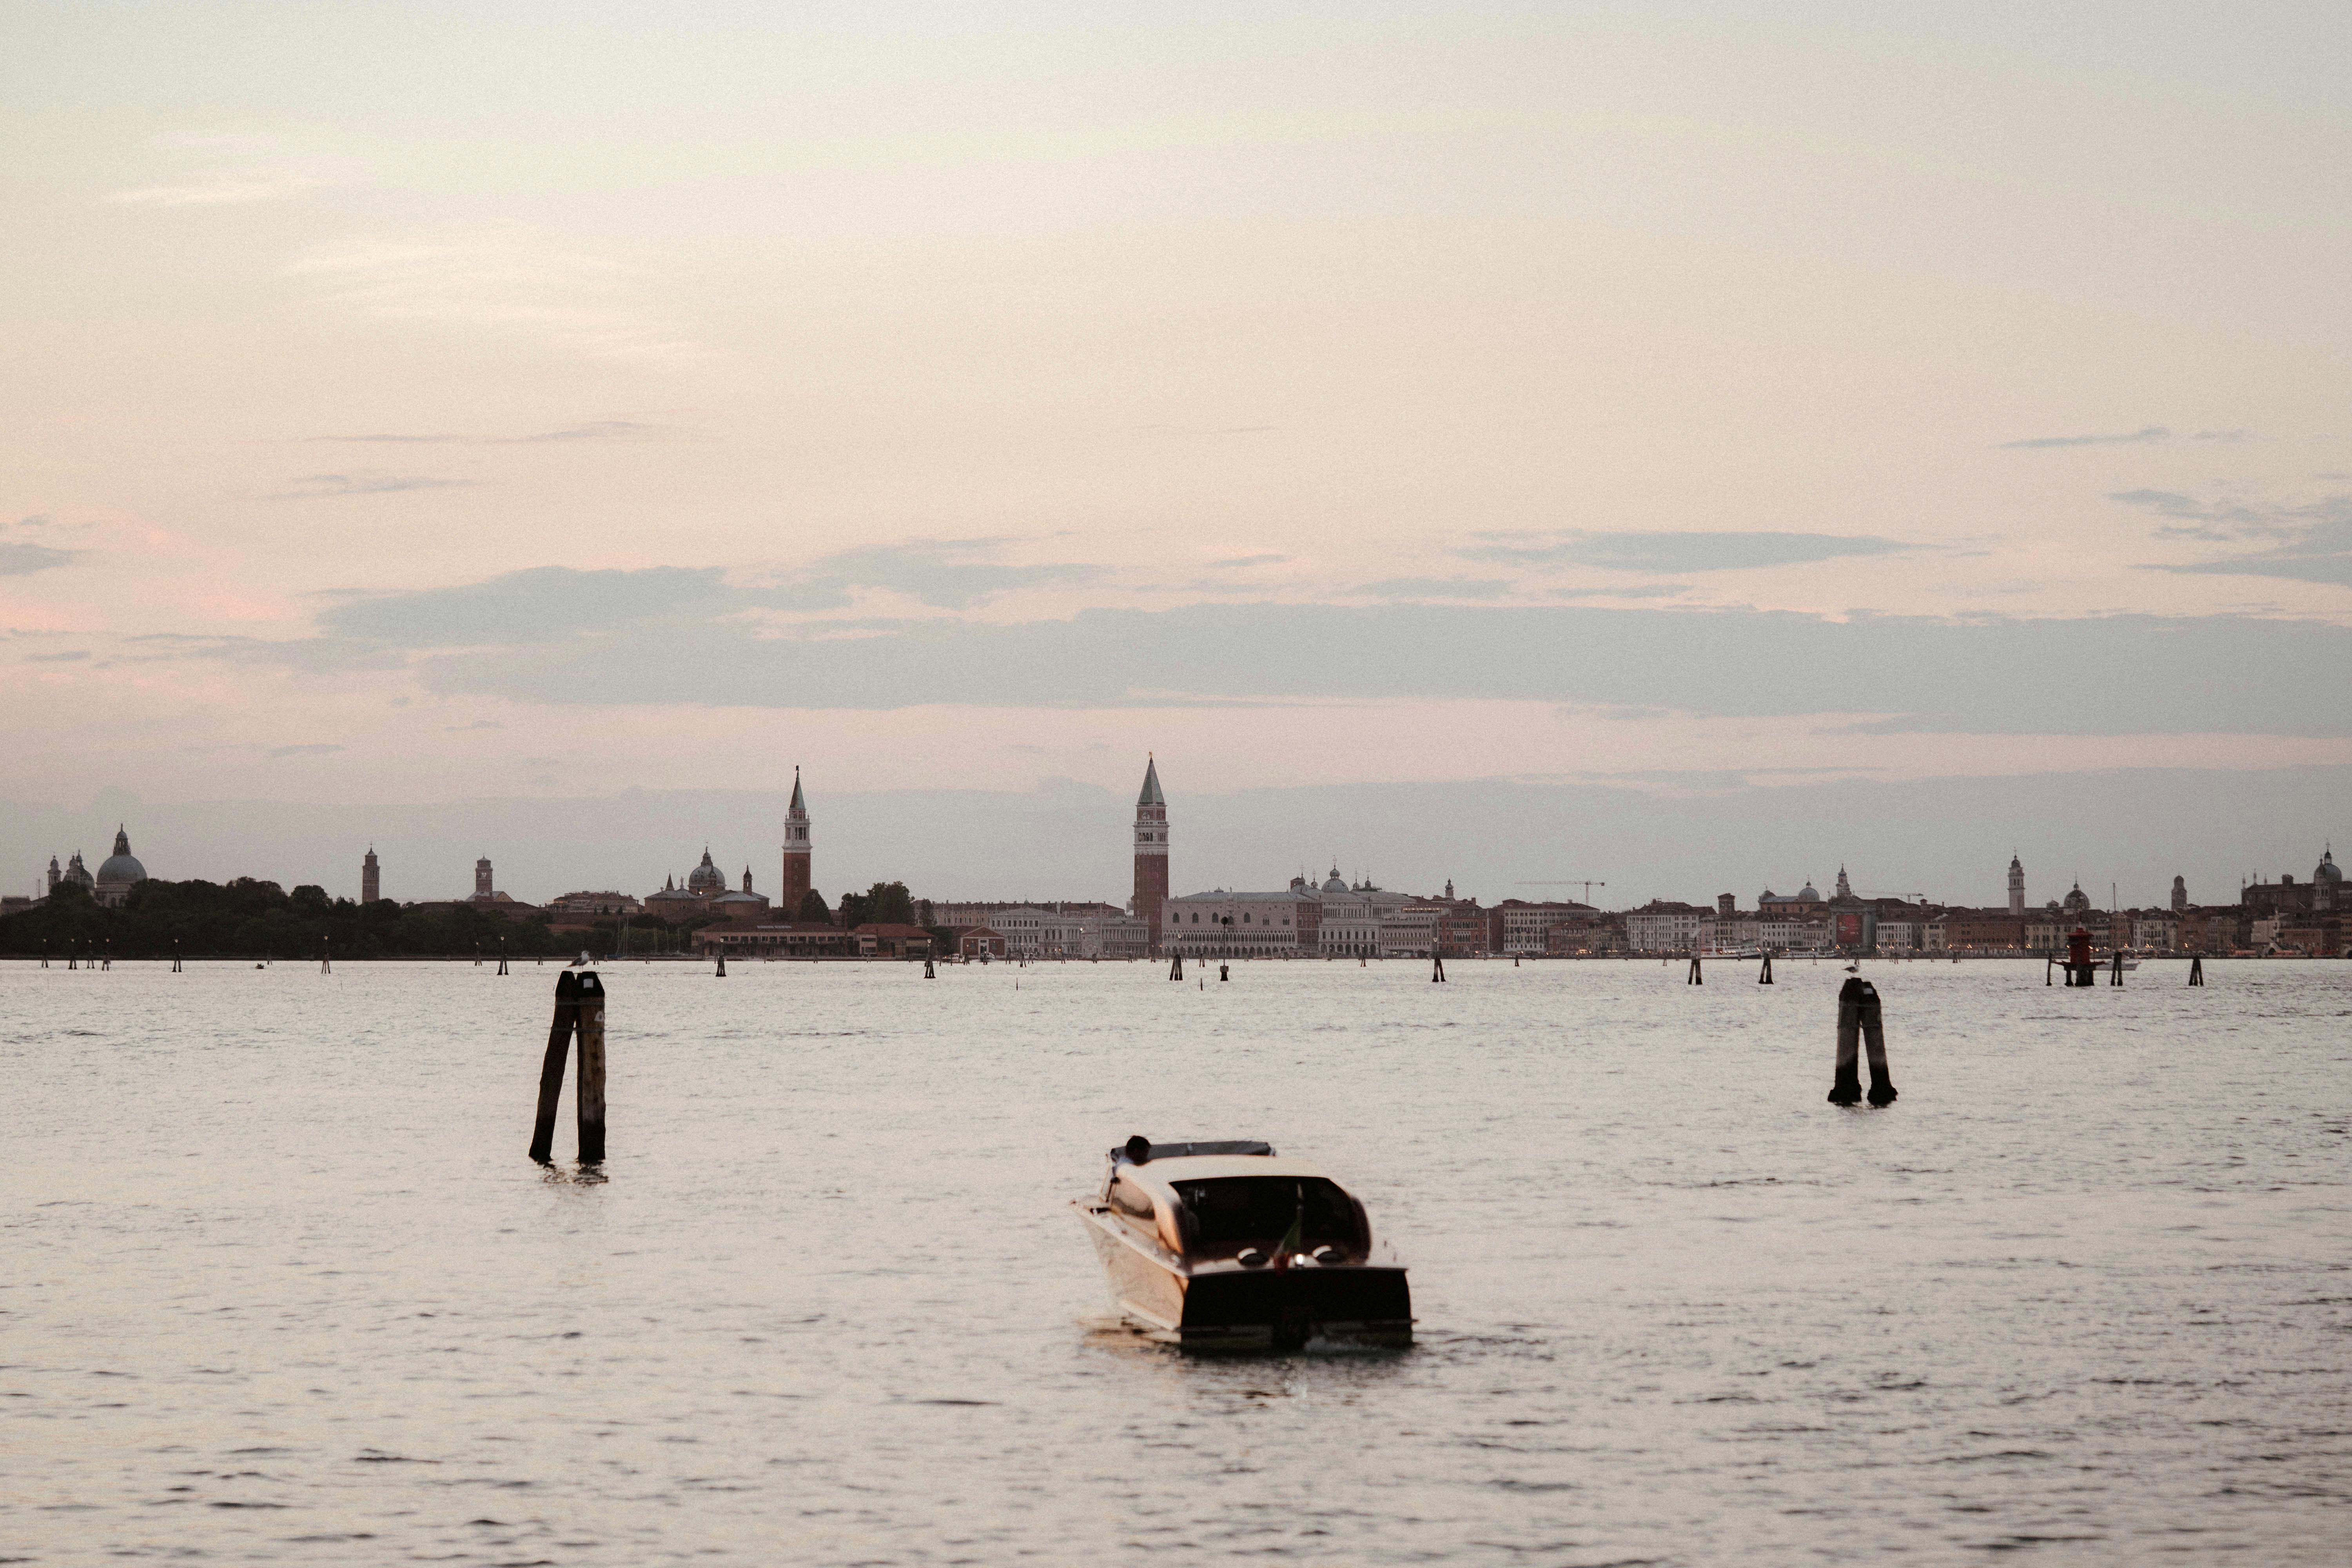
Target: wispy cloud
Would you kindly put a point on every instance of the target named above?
(55, 657)
(311, 487)
(2148, 434)
(1234, 563)
(594, 430)
(2314, 542)
(1417, 589)
(501, 286)
(22, 558)
(944, 573)
(215, 192)
(1673, 551)
(315, 749)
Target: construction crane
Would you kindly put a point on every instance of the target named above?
(1587, 883)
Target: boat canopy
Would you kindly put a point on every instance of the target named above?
(1141, 1151)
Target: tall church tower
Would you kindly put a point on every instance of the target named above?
(370, 878)
(2016, 887)
(482, 888)
(1845, 888)
(1150, 851)
(2180, 896)
(795, 885)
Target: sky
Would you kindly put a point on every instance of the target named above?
(1454, 438)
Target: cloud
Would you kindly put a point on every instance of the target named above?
(506, 285)
(945, 574)
(542, 604)
(22, 558)
(1673, 551)
(53, 657)
(312, 487)
(594, 430)
(215, 192)
(2149, 434)
(2315, 541)
(2223, 435)
(315, 749)
(476, 724)
(1234, 561)
(1987, 675)
(1436, 588)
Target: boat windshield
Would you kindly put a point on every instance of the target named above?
(1260, 1208)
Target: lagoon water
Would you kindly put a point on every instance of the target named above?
(281, 1286)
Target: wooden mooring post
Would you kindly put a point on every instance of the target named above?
(1224, 973)
(326, 962)
(502, 955)
(1696, 976)
(1764, 975)
(928, 972)
(2197, 970)
(720, 973)
(1176, 968)
(1860, 1022)
(175, 960)
(579, 1009)
(1437, 966)
(2116, 975)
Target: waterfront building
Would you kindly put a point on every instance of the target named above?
(1522, 929)
(1151, 855)
(75, 872)
(1410, 929)
(1073, 932)
(792, 888)
(370, 878)
(118, 874)
(587, 905)
(1663, 926)
(1221, 924)
(1768, 900)
(1348, 925)
(779, 938)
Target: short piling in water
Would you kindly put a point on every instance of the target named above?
(928, 972)
(2197, 970)
(551, 1069)
(1696, 977)
(1764, 975)
(175, 960)
(1176, 968)
(1860, 1023)
(1437, 967)
(326, 964)
(1224, 973)
(2116, 975)
(502, 955)
(720, 973)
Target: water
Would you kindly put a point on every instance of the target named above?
(281, 1286)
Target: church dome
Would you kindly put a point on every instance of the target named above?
(1335, 883)
(2077, 901)
(706, 879)
(1808, 894)
(2327, 870)
(121, 867)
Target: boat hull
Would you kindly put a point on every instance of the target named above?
(1253, 1309)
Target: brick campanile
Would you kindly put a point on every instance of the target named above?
(370, 878)
(1150, 851)
(794, 886)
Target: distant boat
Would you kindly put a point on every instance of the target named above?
(1225, 1245)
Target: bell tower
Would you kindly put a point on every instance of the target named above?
(796, 884)
(1150, 851)
(2016, 887)
(370, 878)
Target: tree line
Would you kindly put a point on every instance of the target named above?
(247, 917)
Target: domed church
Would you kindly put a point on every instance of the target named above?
(704, 894)
(116, 877)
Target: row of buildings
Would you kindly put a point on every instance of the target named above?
(1337, 919)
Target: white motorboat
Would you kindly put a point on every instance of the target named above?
(1227, 1246)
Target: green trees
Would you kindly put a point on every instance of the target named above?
(885, 903)
(250, 919)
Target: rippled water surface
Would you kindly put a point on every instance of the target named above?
(281, 1286)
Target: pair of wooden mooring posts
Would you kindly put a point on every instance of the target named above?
(1859, 1025)
(579, 1010)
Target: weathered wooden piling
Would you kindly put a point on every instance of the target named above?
(502, 955)
(591, 1071)
(1176, 968)
(551, 1069)
(326, 962)
(2116, 975)
(2197, 970)
(1764, 975)
(1696, 976)
(175, 960)
(1437, 966)
(720, 973)
(1224, 973)
(928, 972)
(1860, 1023)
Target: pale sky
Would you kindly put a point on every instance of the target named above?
(414, 404)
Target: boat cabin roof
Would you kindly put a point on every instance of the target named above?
(1124, 1154)
(1162, 1173)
